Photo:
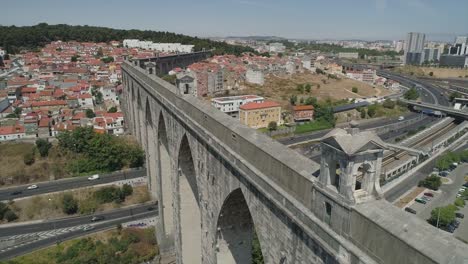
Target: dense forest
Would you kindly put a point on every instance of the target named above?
(14, 39)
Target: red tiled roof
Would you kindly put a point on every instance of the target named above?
(303, 107)
(48, 103)
(253, 105)
(8, 130)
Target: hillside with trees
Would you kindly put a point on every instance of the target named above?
(14, 39)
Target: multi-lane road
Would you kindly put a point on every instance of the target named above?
(111, 219)
(68, 184)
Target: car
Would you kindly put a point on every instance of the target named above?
(459, 195)
(419, 200)
(444, 173)
(429, 194)
(94, 177)
(97, 218)
(32, 187)
(16, 192)
(465, 184)
(450, 228)
(456, 223)
(410, 210)
(401, 118)
(426, 198)
(88, 227)
(462, 190)
(151, 208)
(459, 215)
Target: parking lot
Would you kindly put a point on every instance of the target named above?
(444, 196)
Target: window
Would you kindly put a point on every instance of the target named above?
(328, 209)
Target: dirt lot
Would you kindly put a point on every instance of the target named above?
(280, 89)
(437, 72)
(50, 205)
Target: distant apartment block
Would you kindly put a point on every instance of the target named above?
(259, 115)
(414, 46)
(255, 76)
(348, 55)
(163, 47)
(365, 75)
(230, 104)
(303, 112)
(276, 47)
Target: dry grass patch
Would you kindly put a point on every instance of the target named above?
(437, 72)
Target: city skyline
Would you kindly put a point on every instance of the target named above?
(337, 19)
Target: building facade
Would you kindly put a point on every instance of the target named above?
(259, 115)
(230, 105)
(303, 112)
(414, 46)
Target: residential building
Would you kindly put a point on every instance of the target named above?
(276, 47)
(254, 76)
(431, 55)
(303, 112)
(414, 46)
(86, 100)
(259, 115)
(399, 45)
(12, 132)
(163, 47)
(230, 104)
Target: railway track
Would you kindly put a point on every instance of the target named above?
(420, 142)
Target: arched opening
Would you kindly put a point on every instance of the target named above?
(190, 218)
(361, 174)
(236, 241)
(150, 70)
(167, 203)
(151, 145)
(335, 174)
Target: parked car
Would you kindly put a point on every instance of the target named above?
(459, 195)
(459, 215)
(16, 192)
(461, 190)
(410, 210)
(450, 228)
(465, 184)
(426, 198)
(32, 187)
(419, 200)
(88, 227)
(444, 173)
(94, 177)
(97, 218)
(456, 223)
(429, 194)
(401, 118)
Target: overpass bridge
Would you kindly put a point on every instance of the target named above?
(219, 183)
(445, 109)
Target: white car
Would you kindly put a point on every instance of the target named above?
(401, 118)
(88, 227)
(94, 177)
(32, 187)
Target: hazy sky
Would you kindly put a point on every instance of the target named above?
(312, 19)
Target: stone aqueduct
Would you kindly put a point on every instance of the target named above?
(219, 182)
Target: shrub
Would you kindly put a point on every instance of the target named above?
(90, 113)
(69, 204)
(10, 216)
(127, 190)
(28, 158)
(459, 202)
(43, 146)
(389, 104)
(355, 90)
(432, 182)
(112, 110)
(411, 94)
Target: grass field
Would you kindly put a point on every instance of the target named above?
(312, 126)
(437, 72)
(280, 89)
(129, 246)
(50, 205)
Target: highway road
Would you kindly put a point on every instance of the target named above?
(429, 93)
(68, 184)
(118, 217)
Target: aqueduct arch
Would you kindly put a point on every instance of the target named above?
(189, 202)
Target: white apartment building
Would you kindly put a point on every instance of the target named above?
(230, 104)
(162, 47)
(255, 76)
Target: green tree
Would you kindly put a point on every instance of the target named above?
(411, 94)
(3, 209)
(311, 101)
(43, 146)
(74, 58)
(99, 98)
(257, 256)
(308, 87)
(28, 158)
(107, 59)
(443, 215)
(372, 110)
(10, 216)
(432, 182)
(293, 99)
(127, 190)
(454, 95)
(388, 103)
(272, 126)
(69, 204)
(113, 109)
(363, 113)
(355, 89)
(90, 113)
(300, 88)
(431, 74)
(99, 53)
(459, 202)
